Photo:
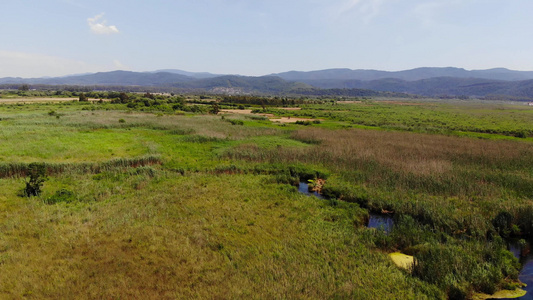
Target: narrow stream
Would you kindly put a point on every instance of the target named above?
(304, 189)
(526, 273)
(381, 221)
(385, 223)
(378, 221)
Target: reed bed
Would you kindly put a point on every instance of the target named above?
(20, 169)
(442, 179)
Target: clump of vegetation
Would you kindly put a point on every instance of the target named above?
(257, 117)
(200, 139)
(214, 109)
(235, 121)
(37, 176)
(83, 98)
(62, 195)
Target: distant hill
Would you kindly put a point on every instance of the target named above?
(409, 75)
(197, 75)
(266, 84)
(424, 81)
(107, 78)
(450, 82)
(441, 86)
(210, 83)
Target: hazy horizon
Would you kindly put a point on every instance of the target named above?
(63, 37)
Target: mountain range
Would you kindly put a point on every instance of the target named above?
(407, 75)
(450, 82)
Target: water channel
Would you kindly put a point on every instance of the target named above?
(378, 221)
(526, 259)
(385, 222)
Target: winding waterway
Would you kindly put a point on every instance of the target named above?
(526, 274)
(386, 223)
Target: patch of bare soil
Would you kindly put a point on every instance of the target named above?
(291, 120)
(244, 112)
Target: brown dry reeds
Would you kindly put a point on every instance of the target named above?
(416, 153)
(407, 164)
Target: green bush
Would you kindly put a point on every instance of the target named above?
(62, 195)
(305, 123)
(502, 223)
(37, 176)
(235, 122)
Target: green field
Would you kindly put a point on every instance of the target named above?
(156, 198)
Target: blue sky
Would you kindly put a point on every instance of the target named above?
(254, 37)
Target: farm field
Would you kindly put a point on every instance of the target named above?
(151, 197)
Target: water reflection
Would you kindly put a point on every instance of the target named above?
(523, 253)
(383, 222)
(304, 189)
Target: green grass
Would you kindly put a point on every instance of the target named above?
(172, 205)
(460, 118)
(195, 237)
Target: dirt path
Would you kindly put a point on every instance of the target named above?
(292, 120)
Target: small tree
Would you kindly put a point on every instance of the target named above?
(83, 97)
(124, 97)
(37, 175)
(215, 109)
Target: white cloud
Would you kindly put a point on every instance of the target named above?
(428, 12)
(21, 64)
(366, 9)
(98, 25)
(118, 65)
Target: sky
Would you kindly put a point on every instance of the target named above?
(258, 37)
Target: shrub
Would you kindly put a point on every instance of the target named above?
(37, 176)
(83, 97)
(215, 109)
(235, 122)
(305, 123)
(257, 117)
(62, 195)
(502, 223)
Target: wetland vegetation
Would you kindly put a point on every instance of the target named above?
(164, 196)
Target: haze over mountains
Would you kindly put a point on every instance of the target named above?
(420, 81)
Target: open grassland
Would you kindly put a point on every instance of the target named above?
(195, 236)
(451, 182)
(163, 204)
(431, 117)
